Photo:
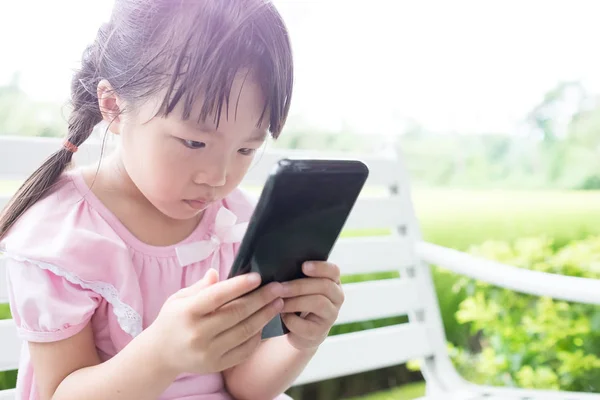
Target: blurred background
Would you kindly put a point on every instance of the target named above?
(495, 107)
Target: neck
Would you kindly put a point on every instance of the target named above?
(113, 177)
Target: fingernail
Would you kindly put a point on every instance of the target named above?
(253, 277)
(309, 267)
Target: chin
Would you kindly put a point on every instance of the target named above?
(181, 212)
(186, 214)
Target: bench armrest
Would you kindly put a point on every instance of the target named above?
(560, 287)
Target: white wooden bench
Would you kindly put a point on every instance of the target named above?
(412, 294)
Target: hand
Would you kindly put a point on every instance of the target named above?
(321, 296)
(209, 327)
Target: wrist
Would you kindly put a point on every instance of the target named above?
(157, 354)
(303, 346)
(309, 351)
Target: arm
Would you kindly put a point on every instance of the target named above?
(189, 335)
(253, 378)
(71, 369)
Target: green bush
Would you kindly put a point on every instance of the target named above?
(591, 182)
(460, 219)
(527, 341)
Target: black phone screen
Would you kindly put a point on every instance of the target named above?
(299, 220)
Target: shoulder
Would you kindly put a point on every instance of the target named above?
(241, 203)
(62, 228)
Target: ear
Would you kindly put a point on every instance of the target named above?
(111, 106)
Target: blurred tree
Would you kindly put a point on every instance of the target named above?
(552, 116)
(584, 128)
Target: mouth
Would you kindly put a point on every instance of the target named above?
(198, 204)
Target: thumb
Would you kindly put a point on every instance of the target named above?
(210, 278)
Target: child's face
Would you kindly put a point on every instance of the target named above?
(182, 166)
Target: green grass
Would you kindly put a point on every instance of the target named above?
(406, 392)
(460, 218)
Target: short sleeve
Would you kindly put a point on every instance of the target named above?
(47, 307)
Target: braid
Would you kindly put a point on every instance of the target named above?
(84, 117)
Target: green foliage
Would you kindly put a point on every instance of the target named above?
(4, 311)
(533, 342)
(8, 380)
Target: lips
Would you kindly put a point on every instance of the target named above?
(198, 204)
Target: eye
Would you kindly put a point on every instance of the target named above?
(246, 152)
(192, 144)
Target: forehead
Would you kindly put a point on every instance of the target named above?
(242, 111)
(244, 107)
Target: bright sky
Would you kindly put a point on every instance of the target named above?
(465, 65)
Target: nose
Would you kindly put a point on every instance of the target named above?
(213, 173)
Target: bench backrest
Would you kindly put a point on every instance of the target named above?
(384, 205)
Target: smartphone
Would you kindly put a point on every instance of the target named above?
(300, 213)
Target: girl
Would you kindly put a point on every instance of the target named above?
(116, 270)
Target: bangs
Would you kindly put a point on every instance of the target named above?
(220, 42)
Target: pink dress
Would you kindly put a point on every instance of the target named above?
(70, 261)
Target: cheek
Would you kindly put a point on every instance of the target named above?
(170, 168)
(238, 170)
(155, 163)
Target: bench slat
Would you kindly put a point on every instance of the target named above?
(21, 156)
(10, 344)
(377, 299)
(374, 212)
(372, 254)
(366, 350)
(8, 394)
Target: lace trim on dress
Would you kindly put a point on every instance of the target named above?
(129, 320)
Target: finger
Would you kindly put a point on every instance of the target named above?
(306, 328)
(210, 278)
(240, 353)
(246, 329)
(316, 304)
(322, 269)
(308, 286)
(218, 294)
(240, 309)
